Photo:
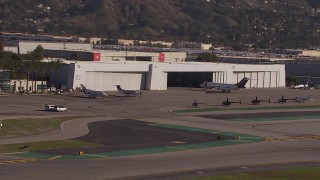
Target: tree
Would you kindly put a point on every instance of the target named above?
(32, 64)
(1, 44)
(291, 80)
(28, 68)
(43, 68)
(56, 66)
(38, 53)
(207, 57)
(16, 65)
(11, 61)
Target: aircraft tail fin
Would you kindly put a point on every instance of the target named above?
(242, 83)
(84, 88)
(118, 87)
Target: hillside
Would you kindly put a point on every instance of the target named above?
(239, 23)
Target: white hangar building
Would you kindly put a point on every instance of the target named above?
(161, 75)
(102, 69)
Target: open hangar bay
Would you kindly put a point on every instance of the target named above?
(288, 142)
(160, 76)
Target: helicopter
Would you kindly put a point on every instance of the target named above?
(283, 100)
(258, 101)
(195, 103)
(227, 102)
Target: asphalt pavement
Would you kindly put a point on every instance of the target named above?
(290, 141)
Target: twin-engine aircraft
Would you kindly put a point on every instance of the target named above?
(224, 87)
(128, 92)
(92, 93)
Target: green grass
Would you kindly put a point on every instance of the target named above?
(26, 127)
(242, 108)
(285, 174)
(46, 145)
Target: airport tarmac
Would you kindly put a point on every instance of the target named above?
(288, 140)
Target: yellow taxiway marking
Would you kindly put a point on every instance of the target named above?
(293, 138)
(19, 161)
(55, 157)
(15, 153)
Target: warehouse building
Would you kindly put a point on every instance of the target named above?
(23, 47)
(102, 69)
(160, 76)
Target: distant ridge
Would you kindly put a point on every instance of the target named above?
(238, 23)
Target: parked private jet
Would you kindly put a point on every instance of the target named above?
(307, 85)
(92, 93)
(128, 92)
(224, 87)
(227, 102)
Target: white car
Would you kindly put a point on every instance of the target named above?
(49, 107)
(60, 108)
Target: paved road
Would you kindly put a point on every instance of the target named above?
(154, 106)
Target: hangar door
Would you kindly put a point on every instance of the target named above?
(188, 79)
(107, 81)
(260, 79)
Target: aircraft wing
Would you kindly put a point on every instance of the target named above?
(226, 88)
(300, 100)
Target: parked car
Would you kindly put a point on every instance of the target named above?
(60, 108)
(49, 107)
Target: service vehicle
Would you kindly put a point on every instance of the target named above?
(49, 107)
(60, 108)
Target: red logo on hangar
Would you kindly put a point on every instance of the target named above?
(96, 56)
(161, 57)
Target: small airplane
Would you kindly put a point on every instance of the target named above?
(258, 101)
(300, 86)
(302, 99)
(92, 93)
(224, 87)
(283, 100)
(195, 103)
(227, 102)
(128, 92)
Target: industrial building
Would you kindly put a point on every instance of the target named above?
(23, 47)
(103, 69)
(160, 76)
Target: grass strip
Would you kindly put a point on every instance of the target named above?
(46, 145)
(283, 174)
(26, 127)
(243, 108)
(278, 118)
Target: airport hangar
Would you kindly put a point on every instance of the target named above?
(161, 75)
(103, 69)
